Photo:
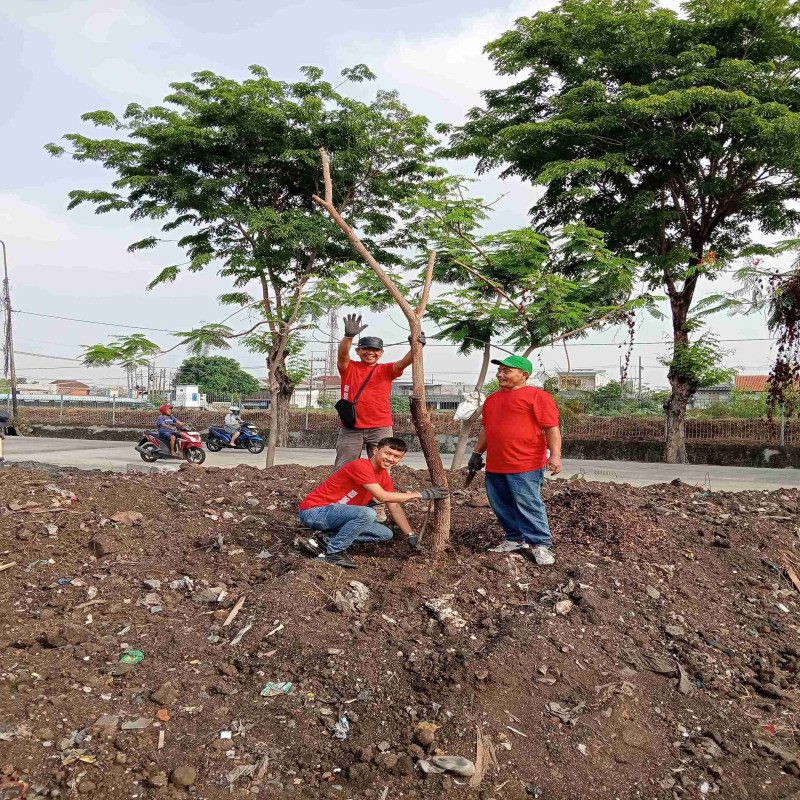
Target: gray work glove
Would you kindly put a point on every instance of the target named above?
(422, 339)
(434, 493)
(475, 463)
(352, 326)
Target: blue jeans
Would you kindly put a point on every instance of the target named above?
(351, 523)
(516, 499)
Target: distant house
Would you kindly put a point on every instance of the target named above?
(582, 380)
(752, 383)
(707, 395)
(75, 388)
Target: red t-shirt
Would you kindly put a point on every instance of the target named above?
(513, 419)
(373, 409)
(346, 487)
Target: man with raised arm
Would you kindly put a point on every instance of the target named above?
(339, 504)
(368, 384)
(519, 426)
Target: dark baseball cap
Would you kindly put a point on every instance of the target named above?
(518, 362)
(372, 342)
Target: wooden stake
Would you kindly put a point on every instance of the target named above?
(234, 611)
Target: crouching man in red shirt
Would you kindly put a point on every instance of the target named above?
(339, 504)
(520, 423)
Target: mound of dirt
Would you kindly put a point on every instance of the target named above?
(163, 637)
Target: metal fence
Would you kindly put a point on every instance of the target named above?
(622, 422)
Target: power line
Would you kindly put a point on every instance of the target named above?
(94, 322)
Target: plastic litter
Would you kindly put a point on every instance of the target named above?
(341, 728)
(39, 561)
(132, 657)
(469, 405)
(274, 689)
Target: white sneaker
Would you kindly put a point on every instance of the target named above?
(508, 547)
(542, 556)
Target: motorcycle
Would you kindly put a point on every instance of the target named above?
(248, 439)
(151, 446)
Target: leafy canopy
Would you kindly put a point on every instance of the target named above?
(216, 375)
(520, 287)
(675, 135)
(232, 166)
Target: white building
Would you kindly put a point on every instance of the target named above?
(188, 396)
(582, 380)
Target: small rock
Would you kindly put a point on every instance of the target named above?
(404, 766)
(480, 500)
(86, 787)
(563, 607)
(127, 517)
(157, 779)
(227, 515)
(103, 546)
(184, 775)
(424, 733)
(652, 592)
(252, 501)
(386, 760)
(674, 630)
(165, 694)
(151, 583)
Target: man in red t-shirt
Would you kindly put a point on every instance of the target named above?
(520, 424)
(339, 504)
(373, 409)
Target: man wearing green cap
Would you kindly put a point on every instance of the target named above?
(520, 424)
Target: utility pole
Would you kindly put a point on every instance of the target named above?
(8, 341)
(333, 341)
(641, 370)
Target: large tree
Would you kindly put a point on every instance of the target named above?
(233, 165)
(216, 375)
(518, 287)
(677, 135)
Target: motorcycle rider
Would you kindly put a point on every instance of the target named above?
(168, 427)
(233, 424)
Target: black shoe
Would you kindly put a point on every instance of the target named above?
(337, 560)
(308, 546)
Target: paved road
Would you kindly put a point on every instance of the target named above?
(116, 456)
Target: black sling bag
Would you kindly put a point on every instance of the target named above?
(346, 409)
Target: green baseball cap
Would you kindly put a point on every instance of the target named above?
(518, 362)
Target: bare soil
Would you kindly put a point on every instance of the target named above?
(663, 575)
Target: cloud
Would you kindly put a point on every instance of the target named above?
(447, 71)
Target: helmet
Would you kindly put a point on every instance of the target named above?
(164, 409)
(234, 409)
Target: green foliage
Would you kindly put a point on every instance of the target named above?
(216, 375)
(677, 133)
(232, 167)
(326, 401)
(400, 405)
(698, 363)
(518, 286)
(490, 387)
(128, 352)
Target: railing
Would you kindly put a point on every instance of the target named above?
(605, 424)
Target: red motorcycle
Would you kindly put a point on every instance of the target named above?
(188, 444)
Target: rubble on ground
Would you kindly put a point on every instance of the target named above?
(150, 648)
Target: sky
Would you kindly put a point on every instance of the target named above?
(67, 58)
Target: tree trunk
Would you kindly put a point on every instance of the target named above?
(285, 389)
(675, 423)
(272, 441)
(439, 522)
(466, 425)
(682, 389)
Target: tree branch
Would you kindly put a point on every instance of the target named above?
(426, 289)
(326, 174)
(494, 286)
